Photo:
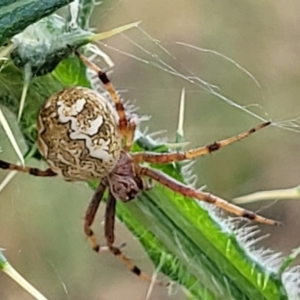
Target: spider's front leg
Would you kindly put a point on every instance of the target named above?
(32, 171)
(153, 157)
(190, 192)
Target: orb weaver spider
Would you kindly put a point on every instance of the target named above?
(82, 136)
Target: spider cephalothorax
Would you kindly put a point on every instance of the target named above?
(82, 136)
(124, 182)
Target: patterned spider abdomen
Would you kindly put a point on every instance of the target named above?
(78, 134)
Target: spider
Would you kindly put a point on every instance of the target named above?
(83, 136)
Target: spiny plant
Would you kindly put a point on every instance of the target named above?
(207, 255)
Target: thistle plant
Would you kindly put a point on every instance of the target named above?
(207, 255)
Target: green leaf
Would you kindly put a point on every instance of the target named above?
(15, 16)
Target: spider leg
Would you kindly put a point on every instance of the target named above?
(109, 230)
(129, 135)
(190, 192)
(123, 122)
(152, 157)
(109, 234)
(110, 214)
(32, 171)
(91, 213)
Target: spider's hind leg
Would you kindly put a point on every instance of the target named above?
(109, 234)
(32, 171)
(123, 122)
(109, 231)
(127, 125)
(90, 216)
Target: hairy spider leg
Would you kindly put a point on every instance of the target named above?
(190, 192)
(91, 213)
(110, 214)
(123, 122)
(130, 135)
(32, 171)
(153, 157)
(109, 231)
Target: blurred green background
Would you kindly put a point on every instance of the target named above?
(41, 219)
